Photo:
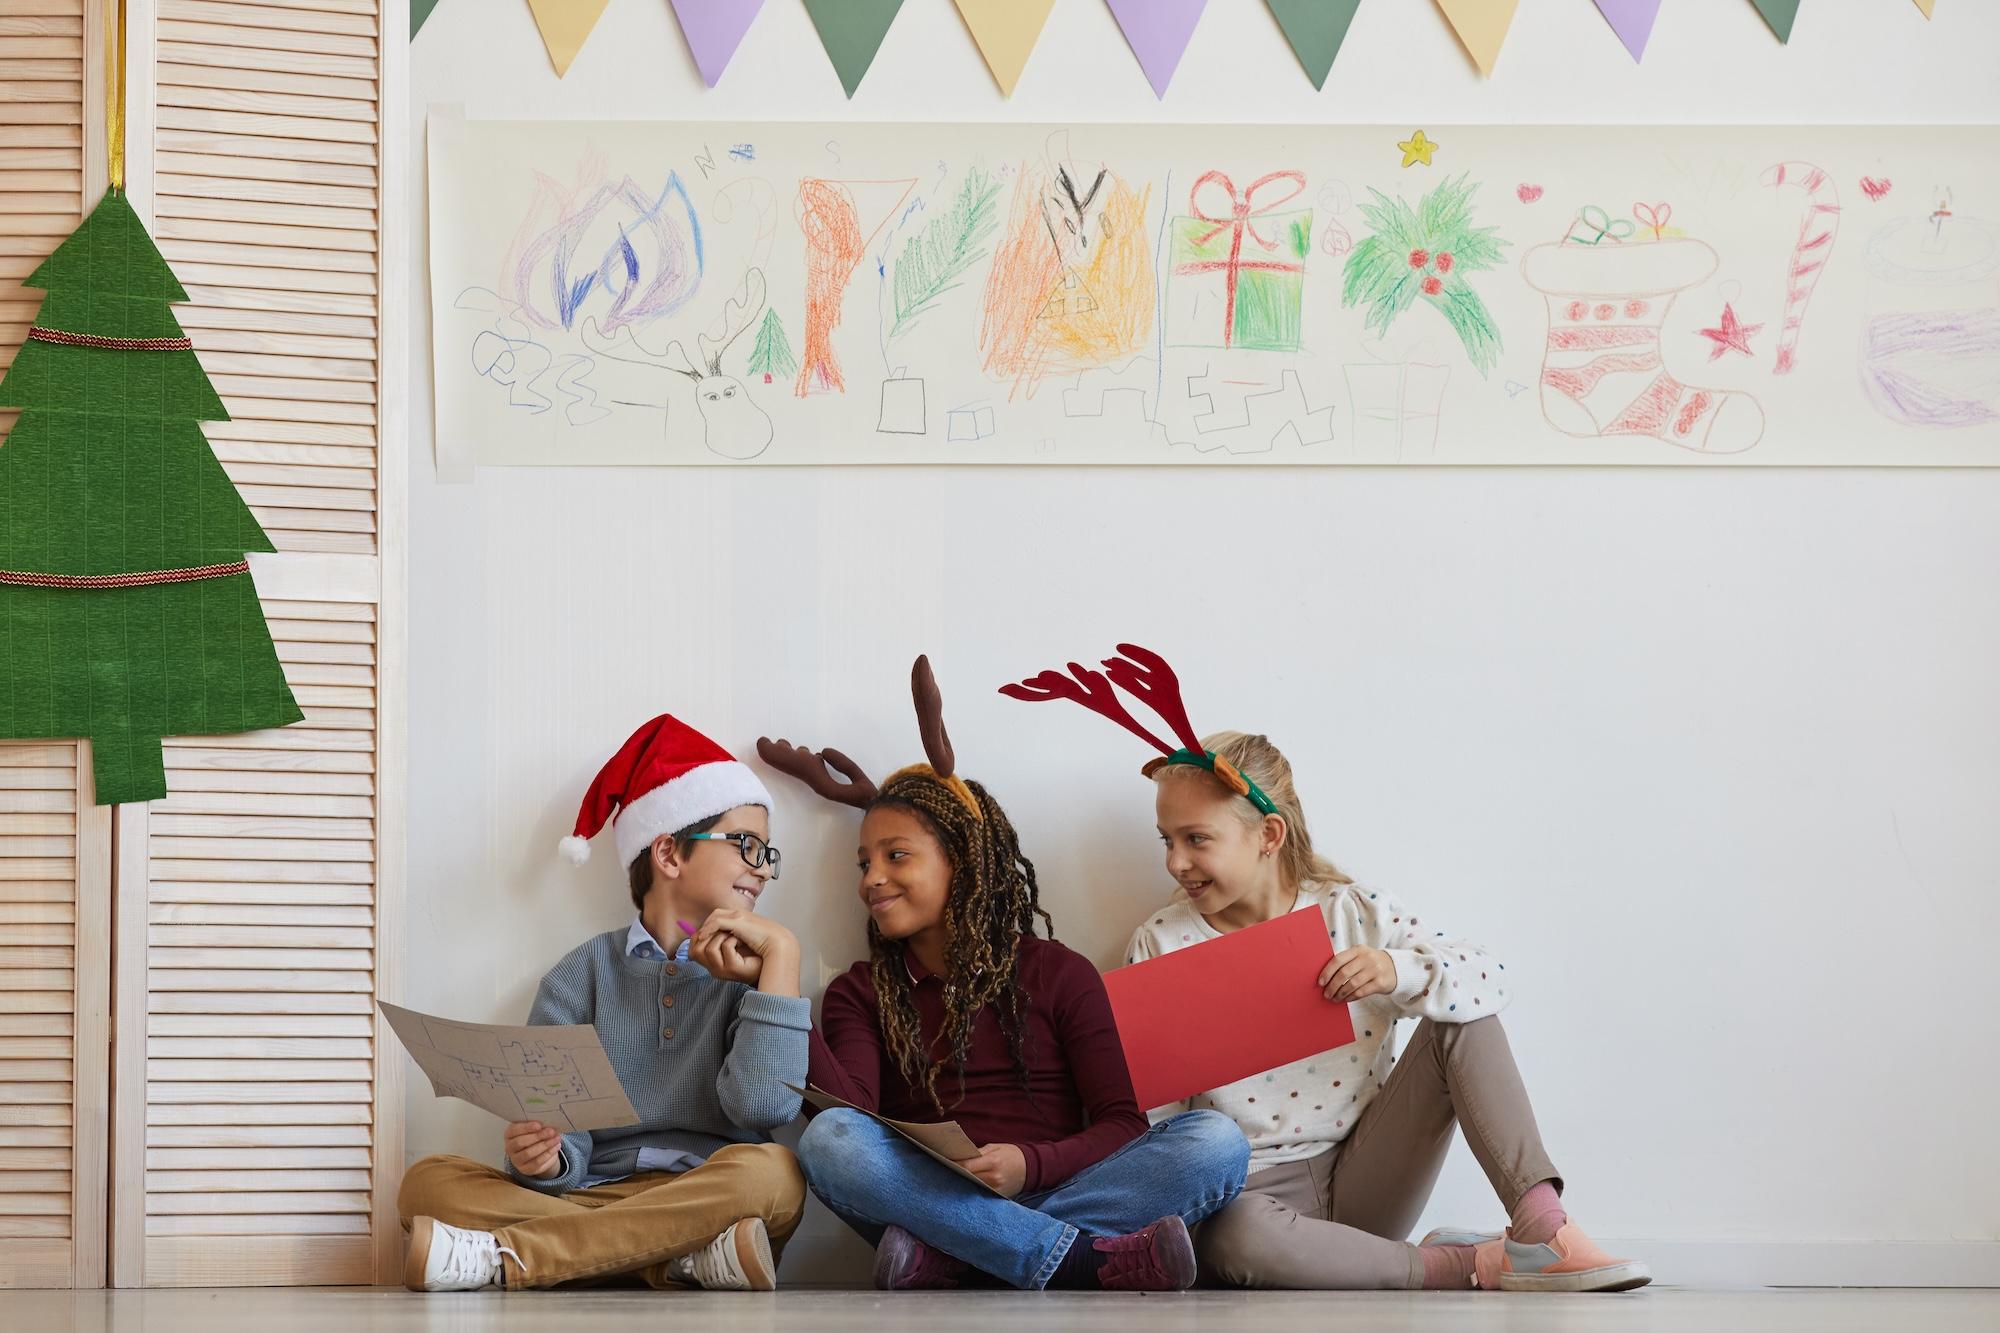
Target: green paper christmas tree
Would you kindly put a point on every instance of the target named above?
(127, 613)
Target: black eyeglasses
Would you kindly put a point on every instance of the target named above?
(756, 852)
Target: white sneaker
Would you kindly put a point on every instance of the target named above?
(448, 1258)
(737, 1260)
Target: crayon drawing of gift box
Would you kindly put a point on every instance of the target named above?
(1238, 265)
(1395, 408)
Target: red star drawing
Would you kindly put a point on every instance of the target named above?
(1732, 335)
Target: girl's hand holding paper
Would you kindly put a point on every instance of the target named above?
(1356, 974)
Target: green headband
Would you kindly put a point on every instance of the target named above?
(1232, 777)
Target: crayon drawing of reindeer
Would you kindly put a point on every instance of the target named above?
(732, 425)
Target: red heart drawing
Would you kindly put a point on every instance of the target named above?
(1529, 193)
(1875, 189)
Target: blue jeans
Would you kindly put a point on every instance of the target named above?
(872, 1178)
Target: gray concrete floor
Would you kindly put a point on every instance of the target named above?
(1653, 1310)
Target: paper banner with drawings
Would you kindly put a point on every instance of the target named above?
(745, 293)
(943, 1142)
(558, 1075)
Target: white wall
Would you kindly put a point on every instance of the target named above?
(1710, 757)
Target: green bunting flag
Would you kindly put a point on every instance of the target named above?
(852, 32)
(1315, 28)
(1781, 15)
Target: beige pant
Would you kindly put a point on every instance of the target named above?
(628, 1226)
(1337, 1222)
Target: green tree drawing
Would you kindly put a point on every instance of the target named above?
(771, 355)
(933, 261)
(127, 612)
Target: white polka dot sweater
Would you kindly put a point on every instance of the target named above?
(1302, 1109)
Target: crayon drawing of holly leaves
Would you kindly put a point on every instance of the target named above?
(1427, 253)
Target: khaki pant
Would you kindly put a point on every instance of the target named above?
(1338, 1221)
(628, 1226)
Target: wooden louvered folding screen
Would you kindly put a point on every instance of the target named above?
(248, 921)
(257, 1137)
(55, 908)
(45, 84)
(55, 880)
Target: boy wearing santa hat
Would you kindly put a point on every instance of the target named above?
(702, 1040)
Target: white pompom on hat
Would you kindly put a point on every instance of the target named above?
(664, 778)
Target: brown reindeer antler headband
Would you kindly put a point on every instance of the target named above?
(1145, 675)
(834, 776)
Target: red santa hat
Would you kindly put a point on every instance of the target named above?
(666, 777)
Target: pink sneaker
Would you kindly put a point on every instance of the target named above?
(1485, 1252)
(1570, 1262)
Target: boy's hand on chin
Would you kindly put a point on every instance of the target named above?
(756, 934)
(1000, 1165)
(725, 956)
(741, 946)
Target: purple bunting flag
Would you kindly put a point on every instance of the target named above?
(713, 29)
(1158, 31)
(1632, 20)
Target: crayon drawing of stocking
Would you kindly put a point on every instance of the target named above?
(1604, 372)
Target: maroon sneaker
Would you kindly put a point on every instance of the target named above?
(904, 1263)
(1158, 1258)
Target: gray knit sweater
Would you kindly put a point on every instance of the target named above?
(704, 1061)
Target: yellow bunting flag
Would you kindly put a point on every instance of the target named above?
(1482, 25)
(1926, 6)
(565, 26)
(1006, 31)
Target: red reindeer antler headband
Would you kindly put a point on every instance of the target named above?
(1145, 675)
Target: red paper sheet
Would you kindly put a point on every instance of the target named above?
(1225, 1009)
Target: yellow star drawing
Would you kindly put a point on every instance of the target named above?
(1417, 149)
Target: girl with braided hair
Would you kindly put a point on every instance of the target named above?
(962, 1012)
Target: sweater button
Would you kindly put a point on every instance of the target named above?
(667, 1000)
(666, 1034)
(673, 971)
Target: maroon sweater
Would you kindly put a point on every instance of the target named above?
(1083, 1109)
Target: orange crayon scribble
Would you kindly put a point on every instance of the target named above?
(834, 248)
(1049, 312)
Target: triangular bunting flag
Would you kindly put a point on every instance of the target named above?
(1926, 6)
(1482, 25)
(1632, 20)
(713, 29)
(852, 32)
(1781, 15)
(419, 11)
(1315, 28)
(1158, 33)
(1006, 31)
(565, 26)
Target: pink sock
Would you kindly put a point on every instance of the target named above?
(1538, 1216)
(1447, 1267)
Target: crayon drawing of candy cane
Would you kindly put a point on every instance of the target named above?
(1815, 245)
